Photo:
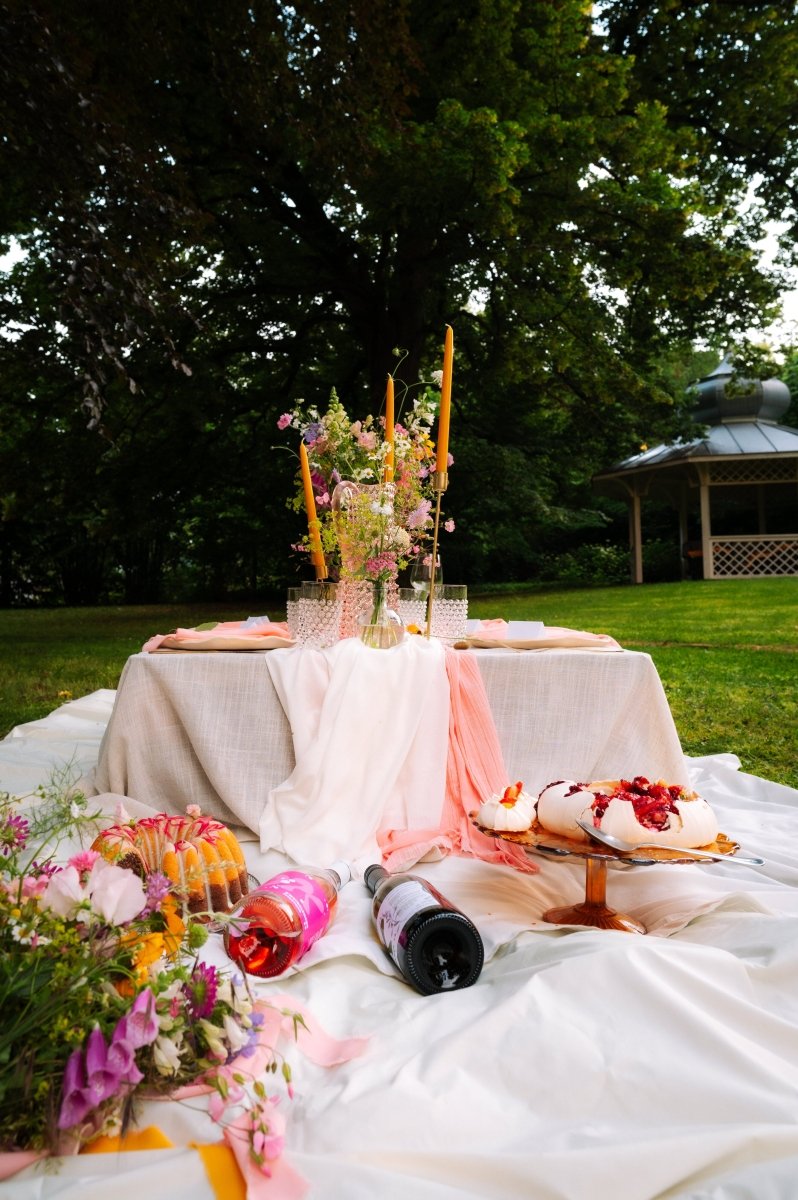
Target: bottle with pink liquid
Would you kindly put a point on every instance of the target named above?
(276, 924)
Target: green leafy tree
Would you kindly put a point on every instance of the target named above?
(235, 205)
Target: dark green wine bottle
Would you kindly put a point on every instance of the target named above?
(435, 946)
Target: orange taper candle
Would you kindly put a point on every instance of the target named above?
(389, 431)
(441, 464)
(316, 552)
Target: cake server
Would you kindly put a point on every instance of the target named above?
(609, 839)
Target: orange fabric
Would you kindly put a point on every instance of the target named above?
(218, 1159)
(150, 1138)
(222, 1170)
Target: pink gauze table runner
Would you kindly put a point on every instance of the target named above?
(392, 751)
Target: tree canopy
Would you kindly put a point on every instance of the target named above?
(229, 206)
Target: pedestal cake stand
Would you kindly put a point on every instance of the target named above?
(594, 910)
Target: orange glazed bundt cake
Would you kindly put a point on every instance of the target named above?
(200, 856)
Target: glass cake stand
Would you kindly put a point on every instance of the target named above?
(594, 910)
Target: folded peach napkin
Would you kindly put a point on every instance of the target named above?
(496, 632)
(256, 633)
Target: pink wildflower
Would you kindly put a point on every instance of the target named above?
(420, 515)
(284, 421)
(84, 861)
(13, 834)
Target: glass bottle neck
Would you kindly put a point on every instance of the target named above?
(373, 876)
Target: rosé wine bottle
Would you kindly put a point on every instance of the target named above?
(277, 923)
(435, 946)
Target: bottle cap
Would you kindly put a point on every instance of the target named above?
(343, 871)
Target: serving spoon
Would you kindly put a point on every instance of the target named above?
(609, 839)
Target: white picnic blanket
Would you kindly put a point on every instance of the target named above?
(584, 1063)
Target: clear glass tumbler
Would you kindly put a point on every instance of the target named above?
(449, 611)
(319, 614)
(292, 610)
(412, 608)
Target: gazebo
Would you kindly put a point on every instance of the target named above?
(735, 485)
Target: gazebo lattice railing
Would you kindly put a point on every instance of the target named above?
(744, 556)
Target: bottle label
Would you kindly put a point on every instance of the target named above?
(399, 906)
(308, 898)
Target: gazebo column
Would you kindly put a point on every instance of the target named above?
(635, 536)
(706, 522)
(684, 534)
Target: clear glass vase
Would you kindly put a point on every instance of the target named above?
(380, 626)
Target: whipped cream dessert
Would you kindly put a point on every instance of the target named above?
(636, 810)
(559, 805)
(512, 811)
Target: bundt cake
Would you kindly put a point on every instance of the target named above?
(199, 855)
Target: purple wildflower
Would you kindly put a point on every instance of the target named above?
(13, 834)
(89, 1079)
(76, 1102)
(251, 1044)
(200, 991)
(158, 886)
(122, 1059)
(45, 869)
(139, 1026)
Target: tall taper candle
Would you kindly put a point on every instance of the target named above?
(316, 552)
(389, 430)
(441, 464)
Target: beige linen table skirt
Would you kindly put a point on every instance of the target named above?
(209, 729)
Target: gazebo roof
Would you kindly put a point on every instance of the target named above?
(728, 440)
(740, 418)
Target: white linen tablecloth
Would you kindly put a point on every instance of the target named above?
(584, 1064)
(210, 729)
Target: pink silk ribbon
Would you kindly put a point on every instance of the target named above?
(283, 1182)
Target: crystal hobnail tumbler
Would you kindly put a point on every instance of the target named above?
(319, 614)
(292, 610)
(449, 611)
(412, 608)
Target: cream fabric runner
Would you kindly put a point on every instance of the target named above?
(370, 731)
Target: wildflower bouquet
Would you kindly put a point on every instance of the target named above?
(371, 526)
(102, 996)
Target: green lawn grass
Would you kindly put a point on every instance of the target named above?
(726, 650)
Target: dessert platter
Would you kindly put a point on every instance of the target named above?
(665, 822)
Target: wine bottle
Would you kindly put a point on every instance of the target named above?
(278, 922)
(435, 946)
